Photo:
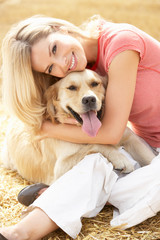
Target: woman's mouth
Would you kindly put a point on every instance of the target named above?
(73, 62)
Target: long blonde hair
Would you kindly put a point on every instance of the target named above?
(23, 88)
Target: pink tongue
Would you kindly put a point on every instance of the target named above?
(91, 123)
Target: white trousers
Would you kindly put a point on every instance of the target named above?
(84, 190)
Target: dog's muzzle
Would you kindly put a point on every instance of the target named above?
(90, 118)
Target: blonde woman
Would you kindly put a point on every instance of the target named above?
(39, 50)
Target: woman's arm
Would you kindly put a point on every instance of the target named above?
(119, 97)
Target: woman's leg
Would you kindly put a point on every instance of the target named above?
(34, 226)
(144, 208)
(137, 195)
(81, 192)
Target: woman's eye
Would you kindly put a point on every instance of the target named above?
(54, 49)
(50, 69)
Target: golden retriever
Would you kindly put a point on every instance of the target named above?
(79, 95)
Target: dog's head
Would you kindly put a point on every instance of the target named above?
(79, 95)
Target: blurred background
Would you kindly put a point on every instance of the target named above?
(144, 14)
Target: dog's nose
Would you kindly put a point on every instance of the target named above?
(89, 102)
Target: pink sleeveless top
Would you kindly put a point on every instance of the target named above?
(145, 113)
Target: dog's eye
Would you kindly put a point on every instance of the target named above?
(94, 84)
(72, 88)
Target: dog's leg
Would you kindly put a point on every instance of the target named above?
(139, 150)
(64, 165)
(119, 161)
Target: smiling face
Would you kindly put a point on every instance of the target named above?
(58, 55)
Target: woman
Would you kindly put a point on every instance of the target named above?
(43, 48)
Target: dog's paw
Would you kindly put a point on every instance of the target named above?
(120, 162)
(124, 166)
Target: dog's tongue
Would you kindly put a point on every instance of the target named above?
(91, 123)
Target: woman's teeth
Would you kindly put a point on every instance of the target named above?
(72, 63)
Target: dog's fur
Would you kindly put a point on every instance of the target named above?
(46, 160)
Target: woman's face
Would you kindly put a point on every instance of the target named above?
(58, 55)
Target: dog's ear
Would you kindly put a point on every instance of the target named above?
(104, 81)
(51, 96)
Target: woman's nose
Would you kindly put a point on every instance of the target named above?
(62, 62)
